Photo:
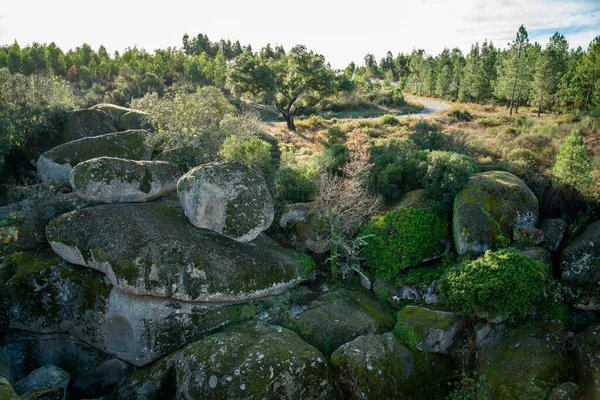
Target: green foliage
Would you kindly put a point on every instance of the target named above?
(307, 266)
(501, 282)
(333, 159)
(445, 175)
(406, 334)
(252, 152)
(473, 387)
(572, 165)
(295, 183)
(420, 276)
(30, 108)
(460, 114)
(428, 136)
(401, 238)
(396, 168)
(334, 134)
(524, 155)
(389, 119)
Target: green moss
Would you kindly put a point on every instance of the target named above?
(407, 335)
(307, 266)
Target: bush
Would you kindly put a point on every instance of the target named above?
(295, 184)
(445, 174)
(524, 155)
(499, 283)
(397, 97)
(252, 152)
(334, 134)
(460, 115)
(396, 168)
(389, 119)
(333, 159)
(401, 238)
(427, 136)
(572, 165)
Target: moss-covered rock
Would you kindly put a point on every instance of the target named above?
(381, 367)
(45, 294)
(527, 236)
(229, 198)
(339, 317)
(185, 157)
(539, 254)
(488, 208)
(54, 393)
(254, 360)
(6, 391)
(588, 352)
(114, 111)
(134, 119)
(429, 330)
(115, 180)
(304, 229)
(526, 359)
(397, 295)
(80, 124)
(151, 249)
(554, 232)
(46, 377)
(580, 260)
(56, 164)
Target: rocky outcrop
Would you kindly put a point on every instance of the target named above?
(253, 360)
(151, 249)
(134, 119)
(381, 367)
(554, 232)
(398, 295)
(488, 208)
(304, 229)
(339, 317)
(580, 260)
(46, 377)
(115, 180)
(185, 157)
(79, 124)
(56, 164)
(588, 351)
(112, 110)
(228, 198)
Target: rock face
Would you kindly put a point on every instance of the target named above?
(114, 111)
(488, 208)
(6, 391)
(527, 236)
(580, 260)
(134, 119)
(151, 249)
(305, 229)
(554, 232)
(228, 198)
(398, 295)
(339, 317)
(588, 351)
(46, 295)
(254, 360)
(185, 158)
(80, 124)
(518, 359)
(46, 377)
(381, 367)
(56, 164)
(429, 330)
(115, 180)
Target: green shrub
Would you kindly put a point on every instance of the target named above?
(524, 155)
(389, 119)
(398, 97)
(428, 136)
(334, 134)
(445, 174)
(252, 152)
(307, 266)
(572, 164)
(294, 184)
(500, 283)
(333, 159)
(470, 388)
(460, 115)
(406, 334)
(401, 238)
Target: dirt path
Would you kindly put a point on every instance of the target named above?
(429, 106)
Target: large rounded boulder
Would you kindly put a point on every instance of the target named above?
(151, 249)
(487, 210)
(79, 124)
(115, 180)
(254, 360)
(56, 164)
(229, 198)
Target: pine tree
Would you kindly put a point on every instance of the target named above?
(572, 165)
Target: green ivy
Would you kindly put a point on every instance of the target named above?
(401, 238)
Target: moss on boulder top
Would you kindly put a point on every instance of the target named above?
(115, 180)
(80, 124)
(254, 360)
(488, 208)
(229, 198)
(339, 317)
(56, 164)
(152, 249)
(580, 260)
(381, 367)
(184, 157)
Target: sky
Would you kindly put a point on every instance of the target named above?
(342, 31)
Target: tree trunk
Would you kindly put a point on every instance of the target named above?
(289, 119)
(540, 106)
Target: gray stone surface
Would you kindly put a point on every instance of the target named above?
(46, 377)
(228, 198)
(580, 259)
(554, 232)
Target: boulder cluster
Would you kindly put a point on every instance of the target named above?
(142, 273)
